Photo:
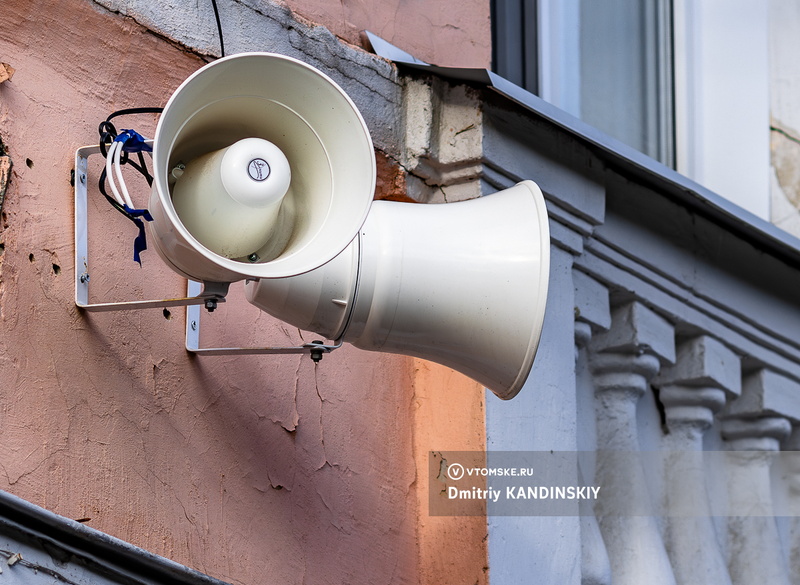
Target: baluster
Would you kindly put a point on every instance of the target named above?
(624, 360)
(591, 315)
(754, 426)
(692, 391)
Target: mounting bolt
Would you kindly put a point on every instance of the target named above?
(84, 278)
(316, 353)
(193, 325)
(211, 304)
(82, 177)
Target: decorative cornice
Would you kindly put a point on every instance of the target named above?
(765, 393)
(636, 329)
(695, 387)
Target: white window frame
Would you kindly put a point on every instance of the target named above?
(722, 98)
(559, 45)
(721, 90)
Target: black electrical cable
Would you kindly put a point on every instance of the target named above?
(219, 28)
(108, 133)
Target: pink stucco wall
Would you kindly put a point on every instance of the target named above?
(444, 32)
(252, 469)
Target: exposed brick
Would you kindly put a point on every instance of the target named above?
(391, 179)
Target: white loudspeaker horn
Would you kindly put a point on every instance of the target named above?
(263, 168)
(462, 284)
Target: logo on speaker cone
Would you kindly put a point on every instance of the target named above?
(258, 169)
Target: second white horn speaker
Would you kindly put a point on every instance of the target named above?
(462, 284)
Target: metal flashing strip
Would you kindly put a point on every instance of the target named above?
(71, 543)
(625, 159)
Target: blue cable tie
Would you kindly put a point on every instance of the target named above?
(132, 141)
(140, 243)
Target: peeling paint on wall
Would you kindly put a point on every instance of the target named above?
(239, 466)
(6, 72)
(5, 173)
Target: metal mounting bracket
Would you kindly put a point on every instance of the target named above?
(205, 295)
(315, 349)
(211, 294)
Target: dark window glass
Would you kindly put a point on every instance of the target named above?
(617, 56)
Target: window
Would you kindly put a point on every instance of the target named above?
(682, 81)
(609, 63)
(514, 42)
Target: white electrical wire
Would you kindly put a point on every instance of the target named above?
(109, 172)
(113, 160)
(117, 157)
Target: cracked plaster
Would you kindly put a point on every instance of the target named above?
(238, 467)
